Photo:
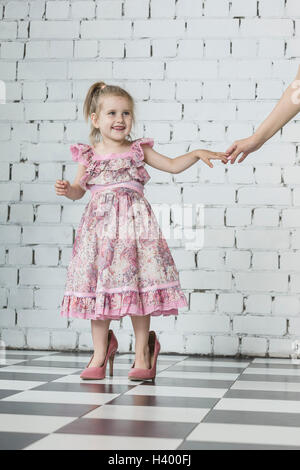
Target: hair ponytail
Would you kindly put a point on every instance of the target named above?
(93, 100)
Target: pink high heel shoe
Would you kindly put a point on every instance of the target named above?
(147, 374)
(97, 373)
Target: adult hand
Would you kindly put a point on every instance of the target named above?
(244, 146)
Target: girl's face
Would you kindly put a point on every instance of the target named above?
(115, 118)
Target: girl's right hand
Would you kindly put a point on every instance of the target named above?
(62, 187)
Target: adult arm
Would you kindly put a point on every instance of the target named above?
(286, 108)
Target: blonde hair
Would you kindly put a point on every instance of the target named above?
(92, 104)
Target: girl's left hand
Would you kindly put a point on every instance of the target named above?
(207, 155)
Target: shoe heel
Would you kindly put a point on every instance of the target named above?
(111, 365)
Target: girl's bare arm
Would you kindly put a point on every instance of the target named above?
(182, 162)
(71, 191)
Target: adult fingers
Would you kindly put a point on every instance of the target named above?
(245, 154)
(231, 148)
(235, 154)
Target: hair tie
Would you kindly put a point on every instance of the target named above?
(102, 87)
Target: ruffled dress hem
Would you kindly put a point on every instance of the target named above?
(166, 302)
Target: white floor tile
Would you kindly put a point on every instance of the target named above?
(216, 363)
(40, 370)
(149, 413)
(274, 360)
(9, 362)
(83, 442)
(18, 384)
(198, 375)
(22, 352)
(177, 391)
(74, 358)
(266, 386)
(246, 434)
(277, 371)
(38, 396)
(32, 423)
(251, 404)
(115, 380)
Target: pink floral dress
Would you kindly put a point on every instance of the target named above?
(121, 263)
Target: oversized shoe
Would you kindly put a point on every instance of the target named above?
(147, 374)
(97, 373)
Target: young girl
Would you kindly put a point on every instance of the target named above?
(110, 276)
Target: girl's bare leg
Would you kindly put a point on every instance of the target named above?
(100, 340)
(141, 327)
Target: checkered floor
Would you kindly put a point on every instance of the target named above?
(195, 403)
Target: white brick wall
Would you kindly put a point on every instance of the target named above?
(203, 73)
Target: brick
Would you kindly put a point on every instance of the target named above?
(265, 261)
(237, 259)
(272, 8)
(162, 90)
(16, 10)
(158, 28)
(292, 8)
(203, 323)
(42, 70)
(34, 91)
(212, 28)
(262, 282)
(268, 175)
(258, 304)
(271, 47)
(57, 10)
(37, 9)
(83, 9)
(254, 324)
(12, 50)
(266, 28)
(226, 345)
(266, 217)
(203, 302)
(252, 346)
(8, 30)
(210, 259)
(285, 306)
(111, 48)
(50, 111)
(243, 9)
(108, 28)
(190, 48)
(164, 47)
(257, 239)
(238, 217)
(54, 29)
(136, 9)
(230, 303)
(210, 111)
(138, 48)
(162, 9)
(189, 8)
(264, 196)
(208, 280)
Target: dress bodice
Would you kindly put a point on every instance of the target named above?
(112, 168)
